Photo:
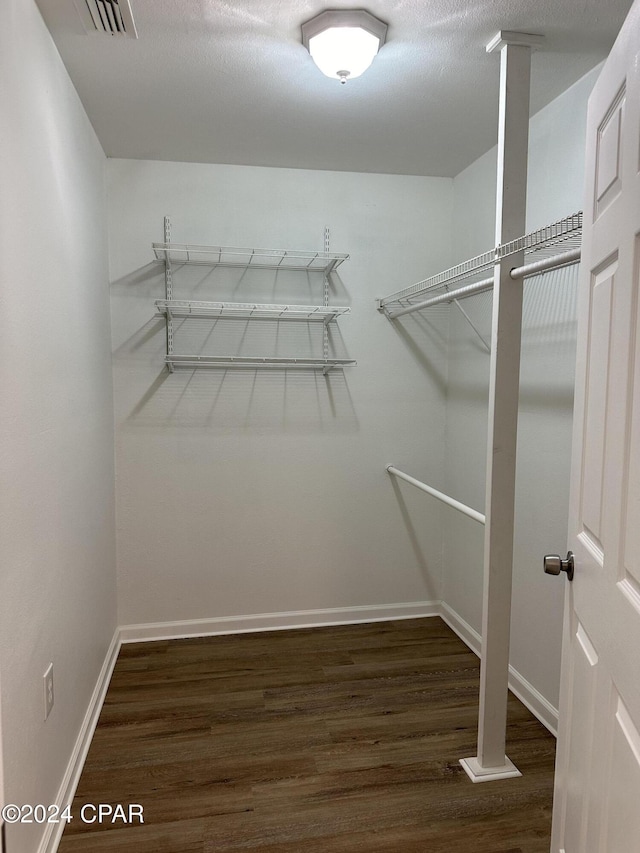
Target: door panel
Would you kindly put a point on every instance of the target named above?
(595, 419)
(630, 575)
(622, 815)
(584, 677)
(608, 183)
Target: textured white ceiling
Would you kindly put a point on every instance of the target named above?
(216, 81)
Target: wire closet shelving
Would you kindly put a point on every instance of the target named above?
(175, 255)
(233, 256)
(182, 309)
(551, 247)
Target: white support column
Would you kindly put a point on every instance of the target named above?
(515, 66)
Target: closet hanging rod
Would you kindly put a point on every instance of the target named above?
(564, 259)
(449, 296)
(452, 502)
(566, 231)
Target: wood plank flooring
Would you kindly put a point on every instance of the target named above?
(323, 740)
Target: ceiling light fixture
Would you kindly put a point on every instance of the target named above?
(343, 42)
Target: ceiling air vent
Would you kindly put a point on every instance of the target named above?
(110, 16)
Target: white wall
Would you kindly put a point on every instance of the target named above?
(556, 162)
(57, 577)
(244, 493)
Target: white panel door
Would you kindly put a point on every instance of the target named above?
(597, 798)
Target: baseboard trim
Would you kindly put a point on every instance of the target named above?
(276, 621)
(542, 709)
(534, 700)
(467, 634)
(53, 832)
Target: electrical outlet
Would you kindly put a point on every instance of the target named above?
(48, 690)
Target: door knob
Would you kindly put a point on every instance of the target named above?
(554, 564)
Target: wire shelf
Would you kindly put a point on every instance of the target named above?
(179, 308)
(253, 363)
(566, 233)
(230, 256)
(171, 309)
(563, 235)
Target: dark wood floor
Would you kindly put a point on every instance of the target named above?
(325, 740)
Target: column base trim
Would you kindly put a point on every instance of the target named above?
(477, 773)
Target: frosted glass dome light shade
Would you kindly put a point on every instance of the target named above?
(343, 51)
(343, 43)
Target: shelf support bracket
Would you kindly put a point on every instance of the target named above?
(168, 288)
(487, 346)
(325, 298)
(513, 142)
